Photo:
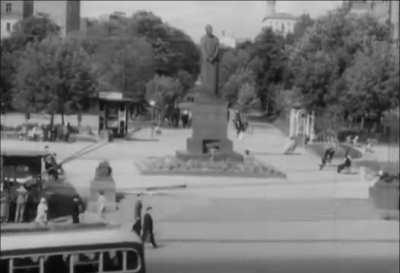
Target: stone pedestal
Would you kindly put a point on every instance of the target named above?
(102, 182)
(209, 132)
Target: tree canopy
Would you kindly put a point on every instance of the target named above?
(319, 60)
(53, 76)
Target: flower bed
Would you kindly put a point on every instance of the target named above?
(173, 166)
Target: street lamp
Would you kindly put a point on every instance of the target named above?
(152, 104)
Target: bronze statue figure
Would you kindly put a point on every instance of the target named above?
(209, 61)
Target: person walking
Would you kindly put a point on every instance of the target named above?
(21, 203)
(327, 157)
(148, 227)
(346, 164)
(138, 207)
(137, 226)
(76, 209)
(41, 212)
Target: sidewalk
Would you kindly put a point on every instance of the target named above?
(371, 230)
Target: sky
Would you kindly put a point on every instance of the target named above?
(240, 19)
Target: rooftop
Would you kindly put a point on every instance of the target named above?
(280, 15)
(113, 96)
(22, 153)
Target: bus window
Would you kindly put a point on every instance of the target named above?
(56, 263)
(86, 263)
(132, 260)
(4, 265)
(112, 261)
(26, 265)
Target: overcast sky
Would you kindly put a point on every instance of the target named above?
(240, 18)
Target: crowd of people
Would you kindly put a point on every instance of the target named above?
(43, 132)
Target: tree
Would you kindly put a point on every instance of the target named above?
(302, 25)
(231, 89)
(31, 29)
(173, 49)
(53, 76)
(129, 51)
(124, 65)
(6, 78)
(186, 80)
(247, 96)
(164, 91)
(269, 64)
(319, 59)
(232, 61)
(25, 31)
(372, 82)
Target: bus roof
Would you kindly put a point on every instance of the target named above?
(23, 153)
(12, 242)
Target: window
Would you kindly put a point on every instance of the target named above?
(132, 260)
(26, 265)
(112, 261)
(57, 263)
(86, 263)
(8, 27)
(8, 7)
(4, 265)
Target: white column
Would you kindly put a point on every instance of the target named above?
(307, 125)
(312, 132)
(292, 122)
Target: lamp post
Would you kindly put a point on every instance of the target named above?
(152, 104)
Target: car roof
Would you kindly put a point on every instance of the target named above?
(23, 153)
(17, 241)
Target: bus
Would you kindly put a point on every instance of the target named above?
(71, 249)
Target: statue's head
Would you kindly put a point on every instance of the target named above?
(209, 29)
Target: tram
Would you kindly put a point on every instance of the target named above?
(25, 169)
(72, 250)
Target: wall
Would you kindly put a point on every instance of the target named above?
(10, 17)
(4, 21)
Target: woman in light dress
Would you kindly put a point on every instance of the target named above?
(41, 212)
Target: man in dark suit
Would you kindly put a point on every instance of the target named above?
(76, 209)
(137, 226)
(148, 227)
(346, 164)
(138, 207)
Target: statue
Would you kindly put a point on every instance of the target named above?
(209, 61)
(102, 182)
(209, 122)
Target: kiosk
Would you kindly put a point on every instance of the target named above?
(113, 113)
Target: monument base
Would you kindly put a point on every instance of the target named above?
(209, 132)
(232, 156)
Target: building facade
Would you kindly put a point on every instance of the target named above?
(66, 14)
(12, 12)
(227, 40)
(279, 22)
